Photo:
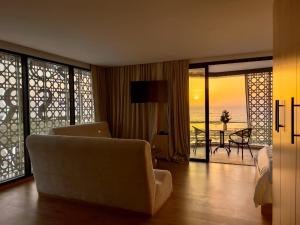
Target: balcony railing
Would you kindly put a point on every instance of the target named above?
(214, 132)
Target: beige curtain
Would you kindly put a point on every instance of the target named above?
(142, 121)
(176, 73)
(129, 120)
(99, 93)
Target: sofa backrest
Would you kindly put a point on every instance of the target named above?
(114, 172)
(98, 129)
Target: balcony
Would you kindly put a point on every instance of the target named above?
(247, 98)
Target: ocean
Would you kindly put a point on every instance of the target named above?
(197, 119)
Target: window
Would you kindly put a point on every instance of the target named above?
(11, 123)
(48, 96)
(46, 104)
(84, 104)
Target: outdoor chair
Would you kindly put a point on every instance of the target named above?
(241, 139)
(200, 139)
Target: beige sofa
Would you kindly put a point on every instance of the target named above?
(107, 171)
(98, 129)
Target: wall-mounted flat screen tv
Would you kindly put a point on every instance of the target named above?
(149, 91)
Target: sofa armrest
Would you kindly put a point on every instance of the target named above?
(163, 187)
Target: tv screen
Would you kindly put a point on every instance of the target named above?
(149, 91)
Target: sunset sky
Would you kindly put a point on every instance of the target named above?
(224, 93)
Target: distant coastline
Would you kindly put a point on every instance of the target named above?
(217, 121)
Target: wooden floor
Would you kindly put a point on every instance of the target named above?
(207, 194)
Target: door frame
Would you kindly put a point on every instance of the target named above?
(206, 65)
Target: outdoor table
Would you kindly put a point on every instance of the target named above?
(222, 143)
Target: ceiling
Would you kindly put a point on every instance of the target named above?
(118, 32)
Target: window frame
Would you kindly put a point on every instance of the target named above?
(25, 101)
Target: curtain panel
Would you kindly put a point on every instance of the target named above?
(129, 120)
(143, 120)
(99, 93)
(176, 72)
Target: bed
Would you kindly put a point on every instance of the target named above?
(263, 188)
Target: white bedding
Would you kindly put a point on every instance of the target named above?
(263, 189)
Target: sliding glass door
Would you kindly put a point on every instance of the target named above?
(242, 93)
(228, 97)
(197, 80)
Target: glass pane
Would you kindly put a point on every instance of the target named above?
(227, 93)
(11, 125)
(84, 103)
(48, 96)
(197, 113)
(222, 96)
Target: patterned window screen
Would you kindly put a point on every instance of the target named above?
(259, 106)
(11, 123)
(48, 96)
(84, 103)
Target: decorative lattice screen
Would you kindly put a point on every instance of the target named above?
(48, 96)
(11, 126)
(259, 106)
(49, 105)
(84, 104)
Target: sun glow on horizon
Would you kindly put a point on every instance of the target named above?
(226, 92)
